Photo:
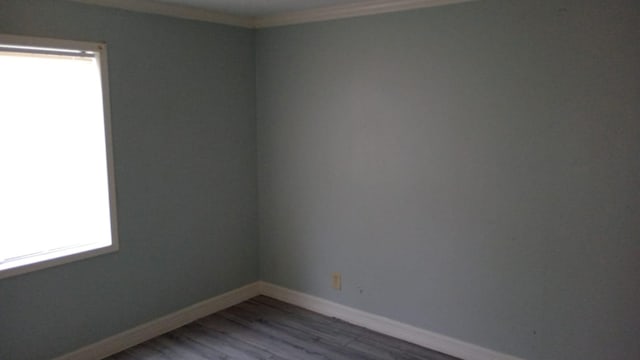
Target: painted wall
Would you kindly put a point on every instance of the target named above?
(183, 113)
(471, 169)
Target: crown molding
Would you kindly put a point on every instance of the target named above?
(260, 22)
(347, 11)
(178, 11)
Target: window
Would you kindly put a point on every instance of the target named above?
(57, 194)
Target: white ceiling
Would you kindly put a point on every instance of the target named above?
(255, 14)
(258, 8)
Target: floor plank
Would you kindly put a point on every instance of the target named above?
(267, 329)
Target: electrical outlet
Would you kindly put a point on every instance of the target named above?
(336, 281)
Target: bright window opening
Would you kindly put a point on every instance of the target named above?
(57, 200)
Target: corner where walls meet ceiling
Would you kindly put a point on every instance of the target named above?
(267, 13)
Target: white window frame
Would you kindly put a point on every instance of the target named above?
(63, 256)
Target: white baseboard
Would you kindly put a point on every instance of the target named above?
(147, 331)
(428, 339)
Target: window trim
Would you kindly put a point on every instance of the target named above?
(65, 256)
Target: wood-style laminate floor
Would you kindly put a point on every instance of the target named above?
(264, 328)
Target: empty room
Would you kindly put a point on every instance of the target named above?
(320, 179)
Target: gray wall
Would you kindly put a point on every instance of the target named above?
(183, 113)
(471, 169)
